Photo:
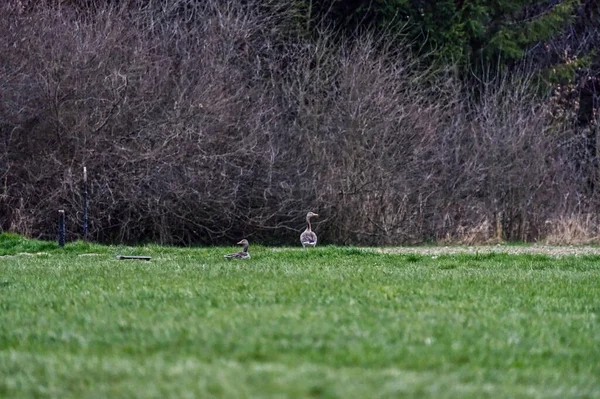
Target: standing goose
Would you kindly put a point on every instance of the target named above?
(308, 237)
(243, 254)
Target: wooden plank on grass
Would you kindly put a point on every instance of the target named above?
(121, 257)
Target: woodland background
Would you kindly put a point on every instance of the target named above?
(398, 121)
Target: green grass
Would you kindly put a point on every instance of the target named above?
(325, 323)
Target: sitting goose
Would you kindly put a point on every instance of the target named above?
(308, 237)
(243, 254)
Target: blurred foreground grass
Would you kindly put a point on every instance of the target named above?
(331, 322)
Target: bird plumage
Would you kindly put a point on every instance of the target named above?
(308, 237)
(243, 254)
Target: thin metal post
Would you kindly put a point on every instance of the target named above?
(85, 204)
(61, 228)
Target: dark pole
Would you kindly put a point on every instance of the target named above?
(61, 228)
(85, 204)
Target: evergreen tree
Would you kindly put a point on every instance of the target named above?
(470, 32)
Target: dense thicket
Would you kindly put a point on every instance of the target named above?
(201, 122)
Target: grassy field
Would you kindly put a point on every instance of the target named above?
(325, 323)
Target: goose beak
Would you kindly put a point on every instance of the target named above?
(241, 242)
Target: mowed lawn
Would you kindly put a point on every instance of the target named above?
(290, 323)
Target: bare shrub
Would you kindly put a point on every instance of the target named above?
(512, 165)
(157, 111)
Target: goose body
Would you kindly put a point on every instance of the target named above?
(308, 238)
(243, 254)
